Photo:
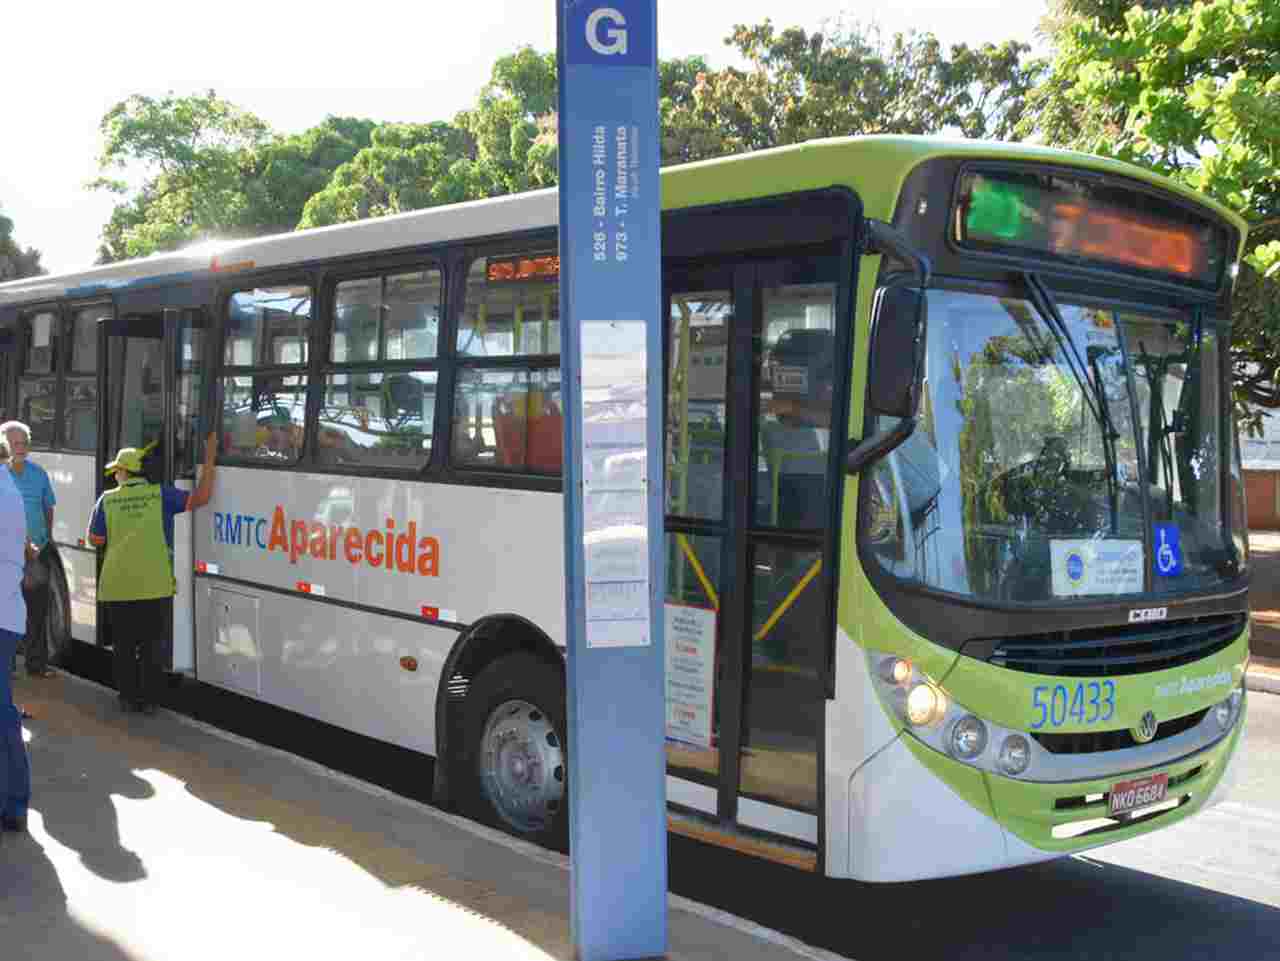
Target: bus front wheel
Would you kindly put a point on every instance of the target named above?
(517, 761)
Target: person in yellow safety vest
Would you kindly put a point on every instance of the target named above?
(135, 524)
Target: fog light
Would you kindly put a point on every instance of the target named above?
(1015, 754)
(1222, 714)
(968, 738)
(925, 704)
(895, 670)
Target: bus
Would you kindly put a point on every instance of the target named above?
(956, 560)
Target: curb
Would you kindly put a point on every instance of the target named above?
(1262, 681)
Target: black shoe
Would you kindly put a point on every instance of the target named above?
(126, 705)
(10, 822)
(147, 708)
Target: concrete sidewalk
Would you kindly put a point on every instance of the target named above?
(158, 838)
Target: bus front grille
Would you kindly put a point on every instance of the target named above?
(1115, 651)
(1091, 742)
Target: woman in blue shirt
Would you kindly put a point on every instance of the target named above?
(15, 770)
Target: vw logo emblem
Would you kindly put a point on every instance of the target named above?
(1146, 729)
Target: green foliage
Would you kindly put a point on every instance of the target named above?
(195, 151)
(405, 167)
(801, 86)
(1191, 91)
(15, 262)
(211, 170)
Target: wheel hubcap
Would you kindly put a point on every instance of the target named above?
(521, 766)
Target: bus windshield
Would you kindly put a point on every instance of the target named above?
(1043, 451)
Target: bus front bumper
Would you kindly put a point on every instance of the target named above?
(906, 826)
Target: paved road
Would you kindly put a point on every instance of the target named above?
(1206, 889)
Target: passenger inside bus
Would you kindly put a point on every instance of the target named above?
(795, 430)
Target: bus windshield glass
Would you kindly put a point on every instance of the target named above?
(1043, 452)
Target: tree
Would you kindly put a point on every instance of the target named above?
(210, 169)
(16, 263)
(288, 171)
(1191, 91)
(405, 167)
(194, 152)
(850, 80)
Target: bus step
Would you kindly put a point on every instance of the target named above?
(738, 839)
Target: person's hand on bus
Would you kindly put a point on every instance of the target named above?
(204, 488)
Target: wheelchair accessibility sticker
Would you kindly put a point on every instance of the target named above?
(1168, 551)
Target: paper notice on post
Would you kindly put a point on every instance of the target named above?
(615, 491)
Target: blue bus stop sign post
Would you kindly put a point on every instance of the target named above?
(611, 384)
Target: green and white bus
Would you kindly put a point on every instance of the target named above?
(957, 567)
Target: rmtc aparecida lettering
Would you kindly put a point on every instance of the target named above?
(390, 548)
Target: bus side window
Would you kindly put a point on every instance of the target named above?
(509, 418)
(385, 416)
(191, 327)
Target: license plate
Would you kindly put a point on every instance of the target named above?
(1143, 792)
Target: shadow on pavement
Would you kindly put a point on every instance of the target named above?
(73, 791)
(84, 758)
(31, 895)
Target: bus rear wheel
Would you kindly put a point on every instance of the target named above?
(517, 758)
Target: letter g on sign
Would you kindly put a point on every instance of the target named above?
(613, 38)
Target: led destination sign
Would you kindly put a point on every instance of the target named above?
(1046, 213)
(521, 268)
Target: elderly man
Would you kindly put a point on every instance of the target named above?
(38, 499)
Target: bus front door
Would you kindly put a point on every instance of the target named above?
(150, 391)
(749, 371)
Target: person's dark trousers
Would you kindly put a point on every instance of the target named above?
(15, 768)
(37, 599)
(139, 630)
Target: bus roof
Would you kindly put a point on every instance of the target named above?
(874, 166)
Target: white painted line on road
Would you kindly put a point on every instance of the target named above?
(532, 851)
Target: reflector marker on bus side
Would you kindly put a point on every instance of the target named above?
(203, 567)
(306, 587)
(438, 613)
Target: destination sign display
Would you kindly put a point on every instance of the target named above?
(1086, 219)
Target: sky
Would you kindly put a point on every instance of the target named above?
(293, 64)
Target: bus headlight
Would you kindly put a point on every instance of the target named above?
(1015, 755)
(1225, 712)
(895, 670)
(968, 738)
(933, 717)
(926, 705)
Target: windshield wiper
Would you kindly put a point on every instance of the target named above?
(1091, 391)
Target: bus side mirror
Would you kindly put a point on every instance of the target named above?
(897, 347)
(895, 370)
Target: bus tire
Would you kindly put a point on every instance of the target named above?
(57, 621)
(516, 770)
